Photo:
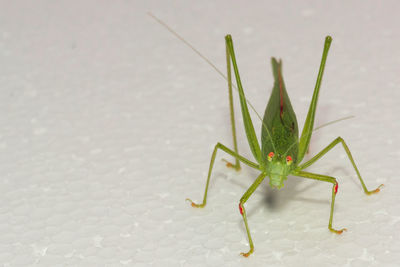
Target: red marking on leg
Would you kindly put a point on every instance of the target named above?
(336, 187)
(240, 208)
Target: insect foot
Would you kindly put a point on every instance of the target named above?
(376, 190)
(248, 253)
(337, 231)
(194, 205)
(231, 165)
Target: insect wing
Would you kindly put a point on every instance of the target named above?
(279, 132)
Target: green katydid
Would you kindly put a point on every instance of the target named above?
(281, 151)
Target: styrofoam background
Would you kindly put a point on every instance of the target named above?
(108, 123)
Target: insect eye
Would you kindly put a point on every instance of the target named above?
(289, 160)
(270, 156)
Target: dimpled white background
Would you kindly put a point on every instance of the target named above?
(108, 123)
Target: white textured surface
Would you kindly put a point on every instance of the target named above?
(108, 123)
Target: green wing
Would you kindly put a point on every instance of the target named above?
(279, 132)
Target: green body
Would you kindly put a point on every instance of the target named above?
(279, 138)
(280, 133)
(281, 150)
(280, 122)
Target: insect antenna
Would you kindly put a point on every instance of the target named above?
(332, 122)
(162, 23)
(321, 126)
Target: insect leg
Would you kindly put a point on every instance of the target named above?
(248, 124)
(309, 123)
(230, 152)
(242, 210)
(236, 166)
(346, 148)
(328, 179)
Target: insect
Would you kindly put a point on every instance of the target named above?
(282, 150)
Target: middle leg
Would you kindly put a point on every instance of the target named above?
(346, 148)
(230, 152)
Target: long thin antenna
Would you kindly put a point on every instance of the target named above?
(162, 23)
(332, 122)
(188, 44)
(322, 126)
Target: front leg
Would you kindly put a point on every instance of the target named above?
(242, 210)
(335, 187)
